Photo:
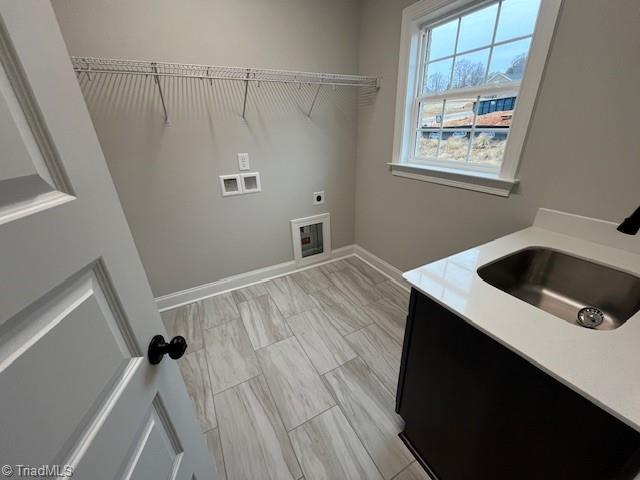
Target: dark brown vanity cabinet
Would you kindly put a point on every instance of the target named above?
(475, 410)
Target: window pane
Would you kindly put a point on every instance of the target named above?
(430, 115)
(454, 147)
(508, 61)
(496, 112)
(437, 76)
(427, 144)
(459, 113)
(469, 70)
(476, 29)
(517, 18)
(443, 40)
(487, 148)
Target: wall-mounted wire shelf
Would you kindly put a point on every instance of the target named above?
(95, 66)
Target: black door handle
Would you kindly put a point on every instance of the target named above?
(158, 347)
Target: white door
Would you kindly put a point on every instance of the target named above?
(76, 310)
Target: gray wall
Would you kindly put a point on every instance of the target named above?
(167, 177)
(582, 154)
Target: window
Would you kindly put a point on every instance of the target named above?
(464, 75)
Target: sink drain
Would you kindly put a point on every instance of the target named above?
(590, 317)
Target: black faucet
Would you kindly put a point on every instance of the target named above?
(631, 224)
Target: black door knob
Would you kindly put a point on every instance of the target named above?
(158, 347)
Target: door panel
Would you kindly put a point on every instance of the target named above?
(18, 157)
(154, 455)
(72, 339)
(31, 177)
(76, 310)
(118, 447)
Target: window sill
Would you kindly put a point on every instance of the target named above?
(478, 181)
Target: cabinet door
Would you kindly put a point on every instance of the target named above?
(475, 410)
(463, 416)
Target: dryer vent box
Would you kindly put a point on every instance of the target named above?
(311, 238)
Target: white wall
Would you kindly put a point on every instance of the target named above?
(582, 154)
(167, 177)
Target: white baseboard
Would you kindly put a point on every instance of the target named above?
(379, 264)
(177, 299)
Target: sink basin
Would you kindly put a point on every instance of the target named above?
(581, 292)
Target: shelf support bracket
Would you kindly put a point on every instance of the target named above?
(246, 91)
(164, 105)
(313, 103)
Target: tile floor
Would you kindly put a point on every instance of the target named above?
(296, 377)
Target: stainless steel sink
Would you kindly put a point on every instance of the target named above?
(579, 291)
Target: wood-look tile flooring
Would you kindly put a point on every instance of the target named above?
(295, 378)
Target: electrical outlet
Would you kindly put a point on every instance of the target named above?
(318, 198)
(243, 162)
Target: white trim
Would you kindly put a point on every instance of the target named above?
(538, 54)
(241, 280)
(480, 91)
(325, 220)
(32, 205)
(382, 266)
(413, 18)
(468, 180)
(235, 282)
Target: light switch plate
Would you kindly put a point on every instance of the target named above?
(243, 162)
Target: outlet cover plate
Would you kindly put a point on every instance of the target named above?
(251, 182)
(230, 185)
(318, 198)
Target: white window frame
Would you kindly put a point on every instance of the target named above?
(501, 182)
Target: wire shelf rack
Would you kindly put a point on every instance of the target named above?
(95, 66)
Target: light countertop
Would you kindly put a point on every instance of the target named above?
(603, 366)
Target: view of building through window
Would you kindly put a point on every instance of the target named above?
(471, 68)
